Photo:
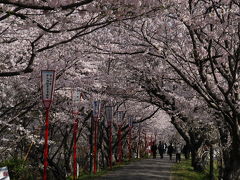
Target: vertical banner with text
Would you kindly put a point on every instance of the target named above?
(76, 98)
(47, 84)
(96, 108)
(120, 118)
(130, 121)
(109, 113)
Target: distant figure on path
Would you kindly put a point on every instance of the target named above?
(178, 153)
(161, 149)
(170, 151)
(154, 149)
(186, 151)
(165, 147)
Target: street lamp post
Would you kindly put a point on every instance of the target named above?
(130, 119)
(76, 97)
(96, 114)
(139, 140)
(109, 116)
(145, 140)
(47, 87)
(119, 123)
(155, 135)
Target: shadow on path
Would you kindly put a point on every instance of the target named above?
(145, 169)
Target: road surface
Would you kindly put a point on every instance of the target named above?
(146, 169)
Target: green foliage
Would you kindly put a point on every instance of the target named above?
(18, 169)
(184, 171)
(86, 176)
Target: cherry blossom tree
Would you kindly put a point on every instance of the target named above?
(199, 41)
(132, 74)
(49, 34)
(205, 55)
(180, 56)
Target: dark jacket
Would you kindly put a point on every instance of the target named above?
(170, 149)
(154, 148)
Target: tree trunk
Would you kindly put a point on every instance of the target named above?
(232, 165)
(232, 169)
(102, 158)
(224, 151)
(211, 164)
(197, 163)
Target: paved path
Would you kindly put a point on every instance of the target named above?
(146, 169)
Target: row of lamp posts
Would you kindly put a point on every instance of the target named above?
(97, 111)
(47, 87)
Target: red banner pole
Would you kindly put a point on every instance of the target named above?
(45, 162)
(110, 145)
(75, 129)
(129, 144)
(95, 145)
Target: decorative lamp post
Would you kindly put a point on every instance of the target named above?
(119, 123)
(151, 140)
(109, 118)
(139, 140)
(47, 87)
(96, 116)
(76, 97)
(155, 135)
(130, 124)
(145, 141)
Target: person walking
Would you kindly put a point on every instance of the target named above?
(178, 153)
(186, 151)
(161, 149)
(170, 151)
(154, 150)
(165, 148)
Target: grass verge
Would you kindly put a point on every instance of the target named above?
(184, 171)
(102, 172)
